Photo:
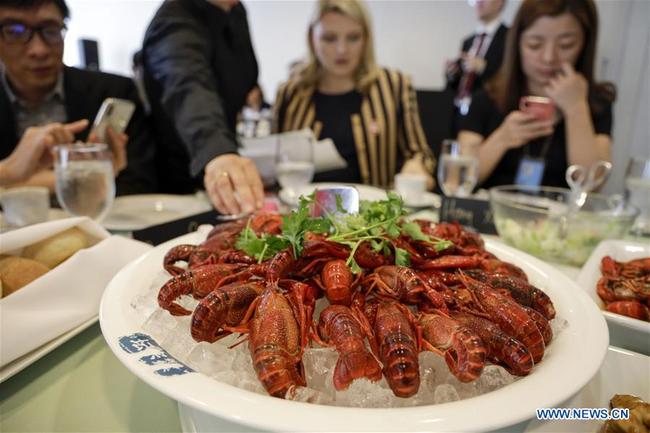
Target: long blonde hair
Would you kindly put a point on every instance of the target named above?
(308, 73)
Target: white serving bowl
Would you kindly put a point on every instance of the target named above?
(625, 332)
(571, 360)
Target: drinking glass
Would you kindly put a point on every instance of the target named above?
(458, 168)
(85, 184)
(294, 162)
(637, 193)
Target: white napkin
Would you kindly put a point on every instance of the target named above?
(66, 296)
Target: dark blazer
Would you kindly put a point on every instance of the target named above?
(493, 58)
(199, 66)
(84, 92)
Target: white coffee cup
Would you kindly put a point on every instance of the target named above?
(411, 186)
(25, 205)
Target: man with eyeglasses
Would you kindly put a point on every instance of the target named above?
(44, 103)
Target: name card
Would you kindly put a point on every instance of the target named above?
(468, 212)
(160, 233)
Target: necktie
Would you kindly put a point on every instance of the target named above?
(479, 45)
(463, 97)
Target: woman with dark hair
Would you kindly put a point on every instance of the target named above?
(550, 53)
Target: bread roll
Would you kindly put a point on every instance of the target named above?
(56, 249)
(16, 272)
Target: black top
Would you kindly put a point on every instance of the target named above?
(84, 92)
(199, 66)
(484, 118)
(493, 58)
(334, 112)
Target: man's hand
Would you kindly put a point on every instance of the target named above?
(33, 150)
(474, 64)
(233, 184)
(117, 144)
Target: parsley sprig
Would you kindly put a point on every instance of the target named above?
(378, 222)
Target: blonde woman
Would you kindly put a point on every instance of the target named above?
(340, 93)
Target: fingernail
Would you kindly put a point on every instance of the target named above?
(248, 208)
(259, 204)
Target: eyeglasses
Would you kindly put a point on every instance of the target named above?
(18, 33)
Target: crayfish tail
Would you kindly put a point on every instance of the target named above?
(351, 366)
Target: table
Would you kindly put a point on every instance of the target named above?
(81, 386)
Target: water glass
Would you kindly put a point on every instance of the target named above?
(294, 161)
(85, 183)
(458, 168)
(637, 193)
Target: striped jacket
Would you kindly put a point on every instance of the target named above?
(388, 123)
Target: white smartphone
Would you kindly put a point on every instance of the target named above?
(115, 113)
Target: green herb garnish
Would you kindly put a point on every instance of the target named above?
(378, 222)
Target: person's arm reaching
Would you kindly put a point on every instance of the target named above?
(178, 56)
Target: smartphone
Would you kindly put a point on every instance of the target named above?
(539, 106)
(115, 113)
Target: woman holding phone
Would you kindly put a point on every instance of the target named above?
(549, 54)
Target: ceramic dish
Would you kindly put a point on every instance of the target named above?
(424, 200)
(624, 331)
(135, 212)
(570, 362)
(597, 393)
(366, 192)
(623, 372)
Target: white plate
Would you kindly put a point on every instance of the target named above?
(366, 192)
(624, 331)
(24, 361)
(623, 372)
(135, 212)
(570, 362)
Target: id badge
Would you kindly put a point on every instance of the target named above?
(530, 172)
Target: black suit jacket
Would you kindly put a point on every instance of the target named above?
(199, 66)
(493, 58)
(84, 92)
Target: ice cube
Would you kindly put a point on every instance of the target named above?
(493, 377)
(558, 324)
(318, 363)
(202, 358)
(308, 395)
(445, 393)
(364, 393)
(159, 324)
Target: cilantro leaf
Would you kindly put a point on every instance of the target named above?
(402, 257)
(414, 231)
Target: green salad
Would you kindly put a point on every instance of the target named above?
(543, 239)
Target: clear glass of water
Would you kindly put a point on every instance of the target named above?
(85, 183)
(294, 162)
(637, 193)
(458, 168)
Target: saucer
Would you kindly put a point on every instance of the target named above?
(423, 200)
